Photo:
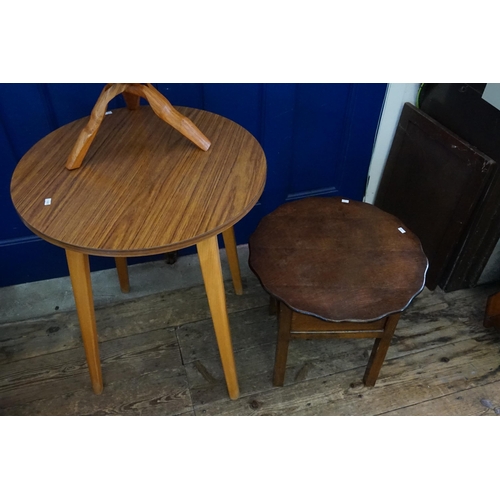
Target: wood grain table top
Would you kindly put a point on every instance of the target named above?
(338, 261)
(143, 188)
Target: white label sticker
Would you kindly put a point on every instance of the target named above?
(108, 113)
(48, 201)
(345, 201)
(401, 230)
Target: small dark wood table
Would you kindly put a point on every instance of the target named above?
(143, 189)
(337, 268)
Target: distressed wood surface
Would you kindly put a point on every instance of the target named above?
(478, 401)
(405, 380)
(61, 331)
(147, 394)
(66, 371)
(160, 357)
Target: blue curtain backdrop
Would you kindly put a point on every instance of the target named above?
(318, 140)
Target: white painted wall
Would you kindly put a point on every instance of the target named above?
(397, 94)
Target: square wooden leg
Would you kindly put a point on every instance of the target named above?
(273, 306)
(310, 327)
(379, 351)
(285, 323)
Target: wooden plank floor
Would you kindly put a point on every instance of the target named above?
(159, 357)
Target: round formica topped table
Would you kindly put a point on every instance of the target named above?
(143, 189)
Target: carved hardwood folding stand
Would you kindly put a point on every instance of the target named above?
(337, 269)
(132, 92)
(143, 189)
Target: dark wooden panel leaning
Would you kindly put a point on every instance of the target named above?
(436, 184)
(461, 108)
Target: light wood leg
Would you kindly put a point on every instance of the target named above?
(232, 258)
(379, 351)
(121, 267)
(208, 252)
(79, 272)
(284, 326)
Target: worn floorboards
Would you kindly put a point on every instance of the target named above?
(159, 357)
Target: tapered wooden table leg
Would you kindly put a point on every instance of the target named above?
(122, 269)
(379, 351)
(208, 252)
(79, 272)
(232, 258)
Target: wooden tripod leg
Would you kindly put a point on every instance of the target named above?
(79, 272)
(284, 326)
(208, 252)
(88, 134)
(132, 101)
(164, 110)
(122, 269)
(232, 259)
(273, 306)
(379, 351)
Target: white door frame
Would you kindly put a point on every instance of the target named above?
(396, 95)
